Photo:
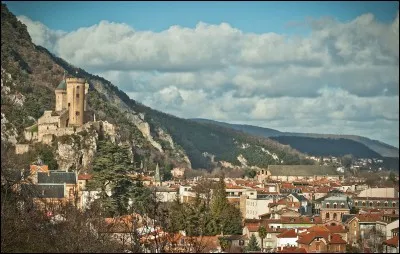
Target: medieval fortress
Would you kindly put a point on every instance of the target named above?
(69, 116)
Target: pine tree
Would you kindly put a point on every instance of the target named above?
(253, 244)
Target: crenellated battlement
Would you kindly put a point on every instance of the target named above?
(76, 80)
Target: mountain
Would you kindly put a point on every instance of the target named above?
(318, 144)
(30, 74)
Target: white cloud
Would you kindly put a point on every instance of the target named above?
(343, 78)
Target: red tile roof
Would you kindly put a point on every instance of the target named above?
(336, 229)
(394, 241)
(369, 217)
(85, 177)
(292, 250)
(336, 239)
(291, 233)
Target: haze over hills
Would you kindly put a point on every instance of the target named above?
(324, 144)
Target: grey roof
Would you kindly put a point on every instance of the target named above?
(57, 177)
(346, 217)
(301, 170)
(44, 190)
(62, 85)
(299, 197)
(338, 200)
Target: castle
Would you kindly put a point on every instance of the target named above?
(70, 112)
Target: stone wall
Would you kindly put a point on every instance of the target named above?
(30, 135)
(47, 118)
(21, 148)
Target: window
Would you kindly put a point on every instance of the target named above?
(370, 203)
(386, 204)
(356, 203)
(327, 205)
(334, 216)
(363, 203)
(393, 204)
(268, 236)
(378, 203)
(77, 113)
(334, 205)
(341, 205)
(327, 216)
(69, 104)
(77, 95)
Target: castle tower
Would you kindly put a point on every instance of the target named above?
(61, 96)
(76, 100)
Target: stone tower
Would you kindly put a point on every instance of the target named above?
(157, 177)
(61, 96)
(76, 100)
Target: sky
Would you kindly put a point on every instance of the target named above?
(320, 67)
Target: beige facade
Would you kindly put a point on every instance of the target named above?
(61, 99)
(75, 100)
(21, 148)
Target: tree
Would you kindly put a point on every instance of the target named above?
(219, 200)
(392, 177)
(347, 160)
(253, 244)
(262, 233)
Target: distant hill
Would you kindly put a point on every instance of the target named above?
(309, 143)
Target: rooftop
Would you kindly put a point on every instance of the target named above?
(57, 177)
(301, 170)
(62, 85)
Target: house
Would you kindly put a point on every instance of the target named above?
(166, 194)
(391, 245)
(53, 187)
(251, 227)
(284, 212)
(387, 223)
(333, 208)
(256, 203)
(287, 238)
(291, 250)
(305, 205)
(320, 239)
(351, 223)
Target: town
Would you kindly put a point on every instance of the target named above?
(284, 209)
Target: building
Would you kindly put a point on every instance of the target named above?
(320, 239)
(333, 208)
(389, 205)
(299, 172)
(52, 189)
(69, 115)
(351, 223)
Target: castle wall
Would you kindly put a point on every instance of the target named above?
(63, 119)
(47, 118)
(21, 148)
